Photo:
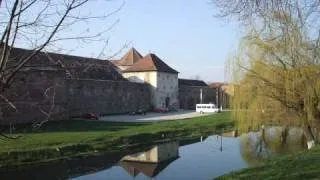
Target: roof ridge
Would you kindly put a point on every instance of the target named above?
(154, 62)
(151, 62)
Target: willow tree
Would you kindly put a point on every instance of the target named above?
(280, 78)
(276, 71)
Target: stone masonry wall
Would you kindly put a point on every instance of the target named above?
(33, 93)
(38, 91)
(106, 97)
(189, 96)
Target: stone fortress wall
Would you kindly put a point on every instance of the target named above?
(60, 86)
(49, 91)
(106, 97)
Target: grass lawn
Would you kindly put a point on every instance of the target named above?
(60, 139)
(303, 165)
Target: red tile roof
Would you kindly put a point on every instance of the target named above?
(150, 62)
(131, 57)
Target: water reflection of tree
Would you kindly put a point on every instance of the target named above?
(257, 147)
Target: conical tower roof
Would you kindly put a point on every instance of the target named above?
(131, 57)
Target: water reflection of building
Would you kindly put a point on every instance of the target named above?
(156, 154)
(148, 169)
(152, 161)
(185, 142)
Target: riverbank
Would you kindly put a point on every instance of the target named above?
(302, 165)
(68, 139)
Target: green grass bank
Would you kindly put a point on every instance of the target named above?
(66, 139)
(302, 165)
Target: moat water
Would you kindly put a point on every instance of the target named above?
(198, 158)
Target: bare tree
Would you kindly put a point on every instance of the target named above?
(260, 15)
(41, 25)
(249, 10)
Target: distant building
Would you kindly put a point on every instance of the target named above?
(167, 91)
(192, 92)
(151, 70)
(222, 94)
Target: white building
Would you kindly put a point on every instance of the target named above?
(150, 69)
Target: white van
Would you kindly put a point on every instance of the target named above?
(206, 108)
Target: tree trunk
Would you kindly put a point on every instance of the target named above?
(309, 137)
(307, 130)
(284, 135)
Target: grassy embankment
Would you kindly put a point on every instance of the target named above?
(303, 165)
(65, 139)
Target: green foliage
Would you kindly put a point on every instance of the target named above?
(276, 77)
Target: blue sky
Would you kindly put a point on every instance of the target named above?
(183, 33)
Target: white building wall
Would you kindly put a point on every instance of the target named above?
(162, 84)
(144, 77)
(141, 77)
(167, 86)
